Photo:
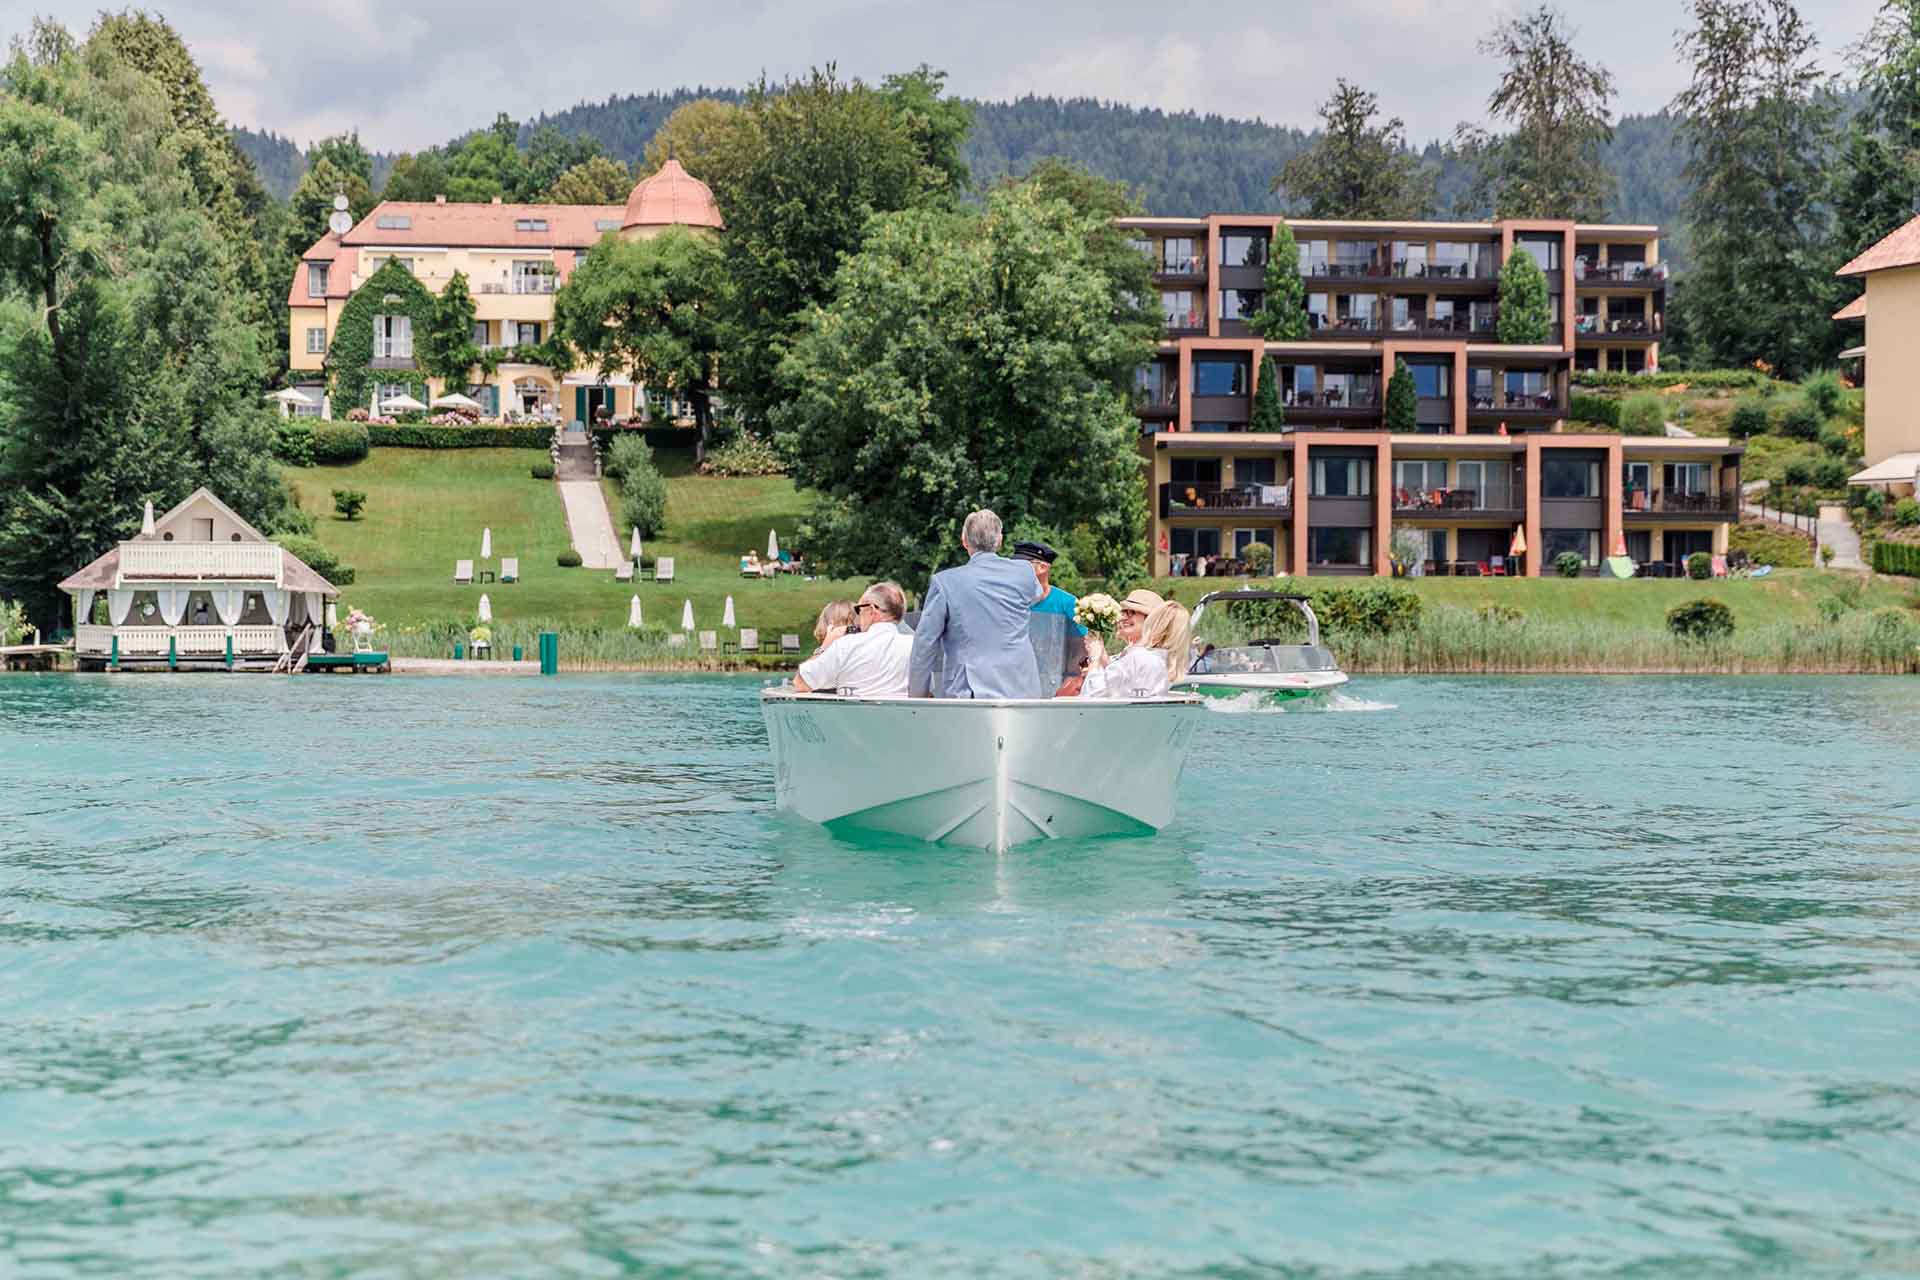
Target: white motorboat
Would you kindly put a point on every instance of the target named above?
(983, 773)
(1276, 670)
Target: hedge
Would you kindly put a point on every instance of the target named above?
(656, 437)
(1897, 557)
(1601, 409)
(339, 442)
(420, 436)
(1709, 378)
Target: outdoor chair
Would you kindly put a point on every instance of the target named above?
(789, 642)
(1499, 566)
(749, 642)
(623, 572)
(678, 640)
(1486, 569)
(709, 642)
(463, 573)
(663, 569)
(509, 569)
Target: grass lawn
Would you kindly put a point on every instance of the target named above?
(1786, 595)
(426, 508)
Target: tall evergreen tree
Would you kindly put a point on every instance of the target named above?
(1876, 183)
(1356, 168)
(1282, 315)
(447, 349)
(1268, 413)
(1526, 316)
(1403, 400)
(1557, 108)
(1757, 126)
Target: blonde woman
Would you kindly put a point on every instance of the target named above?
(1156, 632)
(835, 620)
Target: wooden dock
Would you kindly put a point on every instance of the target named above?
(32, 657)
(351, 664)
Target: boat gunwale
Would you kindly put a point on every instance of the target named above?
(835, 699)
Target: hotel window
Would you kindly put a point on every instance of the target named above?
(1437, 546)
(1632, 361)
(1195, 471)
(1544, 250)
(1417, 477)
(1695, 479)
(1409, 258)
(529, 224)
(1431, 381)
(1405, 314)
(1242, 249)
(1569, 478)
(1177, 255)
(1153, 386)
(528, 332)
(1342, 477)
(1142, 247)
(1490, 483)
(393, 337)
(1177, 308)
(1313, 257)
(393, 222)
(532, 275)
(1317, 314)
(316, 279)
(390, 391)
(316, 398)
(1340, 546)
(1255, 471)
(1356, 257)
(1358, 310)
(1216, 377)
(1459, 260)
(480, 333)
(1238, 304)
(317, 341)
(1193, 542)
(1584, 543)
(1527, 389)
(1216, 426)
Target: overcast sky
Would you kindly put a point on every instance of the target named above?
(411, 73)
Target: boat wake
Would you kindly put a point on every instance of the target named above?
(1259, 702)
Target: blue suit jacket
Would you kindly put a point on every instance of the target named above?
(975, 616)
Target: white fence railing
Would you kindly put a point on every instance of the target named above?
(90, 639)
(259, 640)
(187, 641)
(199, 560)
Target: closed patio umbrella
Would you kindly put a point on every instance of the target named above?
(726, 619)
(773, 546)
(1518, 547)
(486, 543)
(633, 613)
(333, 615)
(633, 548)
(146, 522)
(686, 616)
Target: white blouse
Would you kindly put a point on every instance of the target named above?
(1140, 672)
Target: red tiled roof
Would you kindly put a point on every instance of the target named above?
(326, 249)
(1855, 310)
(1900, 248)
(484, 226)
(672, 198)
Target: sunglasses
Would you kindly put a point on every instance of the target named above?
(864, 605)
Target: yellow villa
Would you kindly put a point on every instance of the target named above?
(1890, 354)
(514, 256)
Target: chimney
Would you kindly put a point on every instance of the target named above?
(440, 199)
(496, 199)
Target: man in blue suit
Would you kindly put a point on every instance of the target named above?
(975, 617)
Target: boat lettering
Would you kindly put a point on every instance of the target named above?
(802, 726)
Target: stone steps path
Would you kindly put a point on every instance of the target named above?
(1837, 531)
(589, 524)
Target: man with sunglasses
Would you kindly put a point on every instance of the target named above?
(870, 660)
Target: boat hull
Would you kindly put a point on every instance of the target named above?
(1274, 686)
(978, 773)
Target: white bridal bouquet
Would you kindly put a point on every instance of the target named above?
(1100, 614)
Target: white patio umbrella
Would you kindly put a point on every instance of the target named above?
(486, 608)
(287, 398)
(454, 400)
(146, 521)
(633, 548)
(773, 545)
(686, 616)
(486, 543)
(726, 619)
(333, 615)
(633, 613)
(402, 404)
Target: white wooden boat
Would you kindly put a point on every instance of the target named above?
(987, 774)
(1277, 670)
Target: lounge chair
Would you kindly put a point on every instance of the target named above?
(678, 640)
(789, 642)
(663, 569)
(463, 573)
(709, 643)
(509, 569)
(623, 572)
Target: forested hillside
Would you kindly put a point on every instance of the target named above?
(1179, 162)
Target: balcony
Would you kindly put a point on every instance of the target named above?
(1185, 267)
(1323, 269)
(1157, 402)
(1642, 505)
(1501, 502)
(1538, 406)
(1484, 325)
(1347, 327)
(199, 561)
(1190, 321)
(1270, 500)
(533, 284)
(1631, 275)
(1624, 327)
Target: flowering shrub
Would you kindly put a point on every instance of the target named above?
(744, 455)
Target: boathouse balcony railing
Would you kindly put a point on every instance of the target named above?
(213, 561)
(248, 641)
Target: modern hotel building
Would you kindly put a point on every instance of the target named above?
(1491, 454)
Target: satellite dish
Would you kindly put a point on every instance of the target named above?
(340, 201)
(340, 223)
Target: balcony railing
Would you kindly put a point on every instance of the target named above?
(1595, 326)
(217, 561)
(1621, 273)
(1367, 397)
(533, 284)
(1440, 501)
(1529, 402)
(1193, 321)
(1194, 264)
(1405, 270)
(1178, 498)
(1668, 502)
(1162, 399)
(202, 641)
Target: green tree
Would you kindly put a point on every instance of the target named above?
(312, 205)
(1757, 126)
(1403, 401)
(691, 135)
(549, 154)
(1558, 110)
(420, 177)
(488, 164)
(1526, 317)
(1282, 315)
(446, 349)
(1101, 201)
(1355, 168)
(1875, 185)
(798, 180)
(649, 309)
(600, 180)
(964, 360)
(937, 125)
(1268, 415)
(347, 154)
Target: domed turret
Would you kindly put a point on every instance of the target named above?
(670, 198)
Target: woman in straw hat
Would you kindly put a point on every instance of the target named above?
(1156, 632)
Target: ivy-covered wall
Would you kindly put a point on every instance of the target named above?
(391, 290)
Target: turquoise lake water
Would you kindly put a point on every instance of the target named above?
(412, 977)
